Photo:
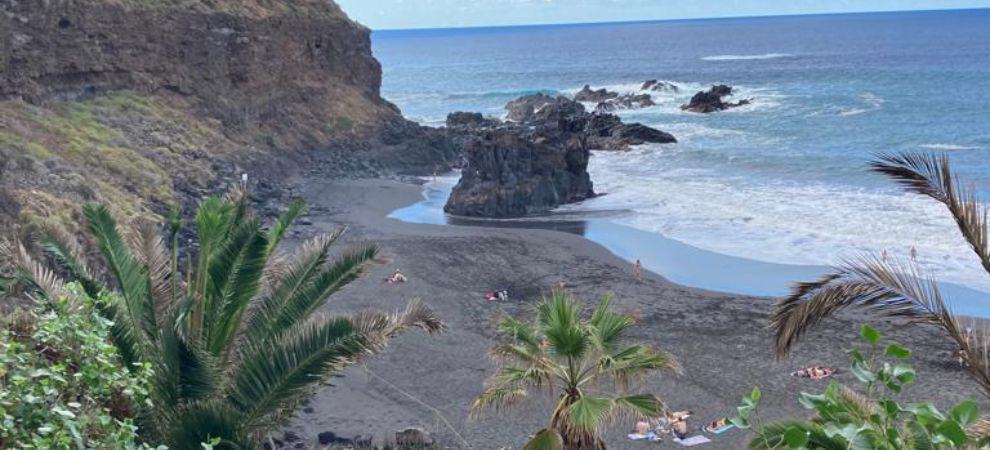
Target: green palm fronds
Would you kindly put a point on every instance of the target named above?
(235, 341)
(890, 288)
(570, 357)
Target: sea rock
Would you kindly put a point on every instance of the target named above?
(413, 437)
(711, 100)
(604, 107)
(511, 172)
(605, 97)
(660, 86)
(329, 438)
(462, 119)
(588, 95)
(523, 108)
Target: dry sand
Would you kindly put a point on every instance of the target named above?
(721, 339)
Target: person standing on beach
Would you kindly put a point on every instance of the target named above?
(638, 271)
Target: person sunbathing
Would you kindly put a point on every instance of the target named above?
(814, 372)
(717, 426)
(396, 277)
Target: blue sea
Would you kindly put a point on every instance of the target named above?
(782, 181)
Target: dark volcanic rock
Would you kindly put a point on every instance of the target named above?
(594, 96)
(523, 108)
(510, 173)
(660, 86)
(711, 100)
(462, 119)
(630, 101)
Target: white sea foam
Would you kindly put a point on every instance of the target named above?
(948, 147)
(747, 57)
(870, 101)
(790, 223)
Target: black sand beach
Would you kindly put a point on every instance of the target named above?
(721, 339)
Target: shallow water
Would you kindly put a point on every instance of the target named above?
(782, 181)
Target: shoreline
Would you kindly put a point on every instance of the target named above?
(672, 259)
(721, 339)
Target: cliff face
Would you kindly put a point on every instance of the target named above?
(145, 103)
(303, 70)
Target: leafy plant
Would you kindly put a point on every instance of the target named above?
(564, 355)
(846, 419)
(892, 288)
(62, 384)
(235, 340)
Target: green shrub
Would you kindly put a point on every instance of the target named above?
(62, 384)
(872, 419)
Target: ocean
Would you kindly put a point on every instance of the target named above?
(783, 181)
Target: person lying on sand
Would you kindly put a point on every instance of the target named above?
(717, 426)
(677, 423)
(396, 277)
(490, 296)
(814, 372)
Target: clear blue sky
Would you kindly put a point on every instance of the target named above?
(389, 14)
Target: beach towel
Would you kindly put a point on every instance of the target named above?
(639, 437)
(719, 430)
(692, 441)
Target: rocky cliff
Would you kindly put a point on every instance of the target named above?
(144, 103)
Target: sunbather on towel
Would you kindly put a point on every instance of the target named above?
(396, 277)
(815, 373)
(717, 426)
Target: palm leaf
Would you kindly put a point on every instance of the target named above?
(771, 436)
(64, 250)
(546, 439)
(132, 280)
(307, 289)
(559, 321)
(607, 326)
(150, 252)
(39, 281)
(931, 175)
(275, 235)
(234, 277)
(270, 375)
(204, 421)
(497, 398)
(587, 415)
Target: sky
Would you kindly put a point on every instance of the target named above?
(397, 14)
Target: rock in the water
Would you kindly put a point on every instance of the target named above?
(462, 119)
(523, 108)
(660, 86)
(604, 107)
(711, 100)
(413, 437)
(630, 101)
(509, 173)
(589, 95)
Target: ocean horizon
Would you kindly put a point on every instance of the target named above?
(783, 180)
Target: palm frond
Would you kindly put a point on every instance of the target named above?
(497, 398)
(546, 439)
(40, 282)
(588, 414)
(275, 235)
(65, 251)
(607, 327)
(931, 175)
(559, 320)
(635, 362)
(203, 421)
(274, 374)
(884, 287)
(235, 274)
(132, 280)
(131, 342)
(307, 290)
(150, 252)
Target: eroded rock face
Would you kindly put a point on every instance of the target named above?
(711, 100)
(609, 101)
(537, 162)
(659, 86)
(511, 172)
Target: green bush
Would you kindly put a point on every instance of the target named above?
(872, 419)
(62, 384)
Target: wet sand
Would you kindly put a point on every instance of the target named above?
(721, 339)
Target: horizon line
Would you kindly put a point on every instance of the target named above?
(682, 19)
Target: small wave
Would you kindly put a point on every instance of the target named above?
(938, 146)
(746, 57)
(873, 102)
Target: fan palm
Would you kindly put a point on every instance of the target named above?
(568, 357)
(235, 341)
(890, 288)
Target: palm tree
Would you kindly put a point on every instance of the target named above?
(891, 288)
(561, 354)
(235, 340)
